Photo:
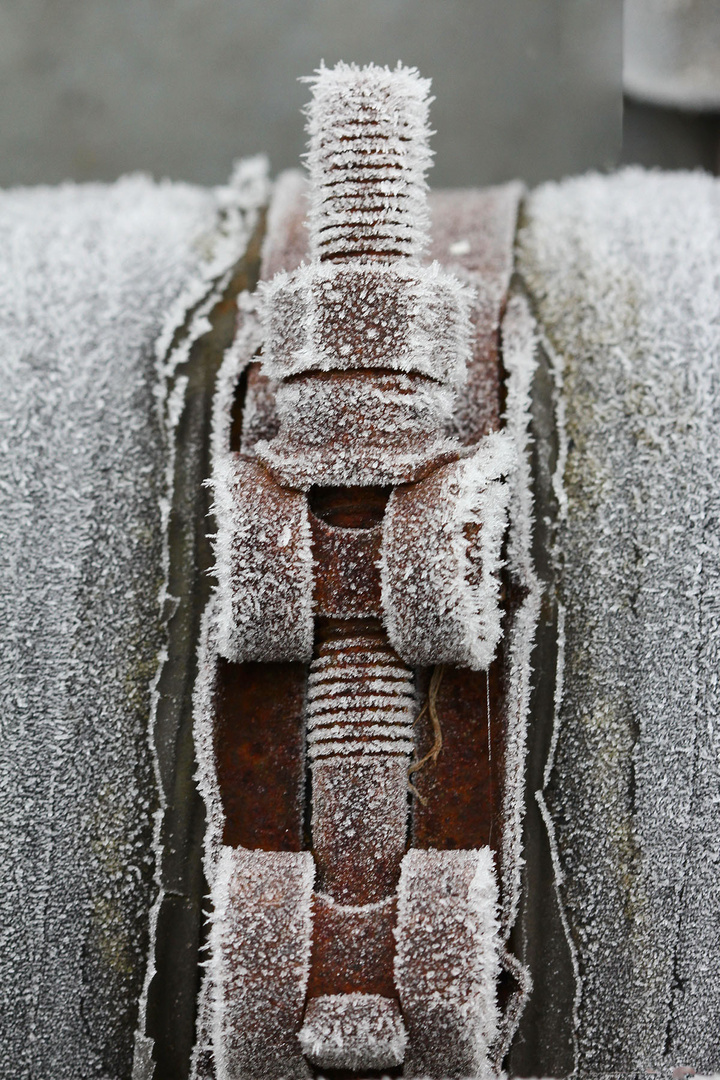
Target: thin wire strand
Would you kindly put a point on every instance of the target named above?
(430, 707)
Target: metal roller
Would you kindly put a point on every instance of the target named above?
(260, 946)
(448, 962)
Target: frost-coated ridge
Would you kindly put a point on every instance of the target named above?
(519, 343)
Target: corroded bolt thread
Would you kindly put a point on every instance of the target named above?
(367, 342)
(360, 700)
(368, 155)
(360, 713)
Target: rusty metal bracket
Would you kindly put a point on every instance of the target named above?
(361, 517)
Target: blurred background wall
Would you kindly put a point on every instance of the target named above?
(672, 83)
(90, 89)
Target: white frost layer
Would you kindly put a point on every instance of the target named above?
(202, 1066)
(92, 280)
(285, 244)
(447, 961)
(204, 693)
(353, 1031)
(264, 565)
(624, 271)
(518, 354)
(260, 941)
(441, 551)
(361, 115)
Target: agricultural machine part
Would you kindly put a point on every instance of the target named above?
(263, 562)
(360, 530)
(447, 964)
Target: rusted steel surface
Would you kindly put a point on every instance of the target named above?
(259, 939)
(259, 742)
(257, 415)
(263, 565)
(357, 427)
(472, 235)
(349, 507)
(349, 585)
(349, 404)
(461, 792)
(360, 713)
(286, 240)
(353, 948)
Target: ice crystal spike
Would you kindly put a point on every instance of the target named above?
(367, 158)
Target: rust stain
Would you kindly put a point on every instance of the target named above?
(260, 749)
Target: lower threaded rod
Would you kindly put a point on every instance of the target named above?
(360, 713)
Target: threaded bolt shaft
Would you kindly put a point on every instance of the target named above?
(368, 155)
(360, 713)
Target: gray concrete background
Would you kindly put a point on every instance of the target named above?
(91, 89)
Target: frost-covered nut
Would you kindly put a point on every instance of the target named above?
(353, 1031)
(264, 565)
(399, 316)
(359, 427)
(364, 305)
(442, 541)
(447, 962)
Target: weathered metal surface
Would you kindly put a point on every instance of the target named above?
(263, 563)
(349, 585)
(629, 786)
(461, 792)
(353, 947)
(446, 965)
(472, 235)
(259, 741)
(95, 290)
(360, 712)
(260, 940)
(347, 404)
